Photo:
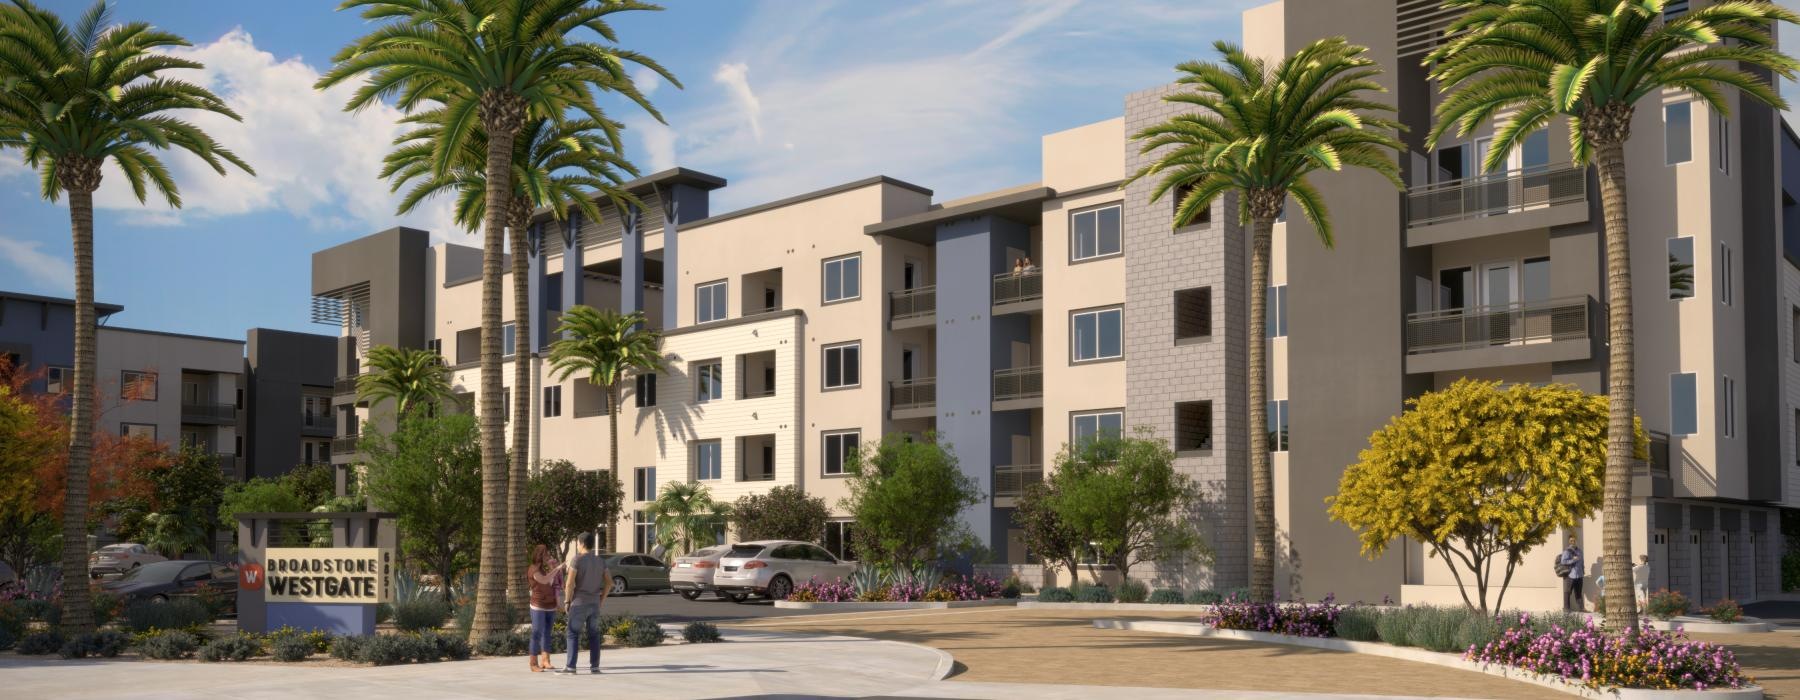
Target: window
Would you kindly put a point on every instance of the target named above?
(1684, 416)
(509, 339)
(843, 278)
(237, 446)
(1725, 281)
(60, 379)
(838, 539)
(553, 401)
(468, 346)
(843, 365)
(709, 460)
(1724, 157)
(315, 411)
(137, 386)
(1728, 401)
(1278, 426)
(1193, 425)
(644, 484)
(709, 302)
(1193, 313)
(643, 532)
(1275, 311)
(839, 448)
(435, 346)
(238, 400)
(138, 430)
(1674, 8)
(1681, 268)
(646, 390)
(1678, 133)
(709, 381)
(1094, 233)
(1097, 335)
(1092, 426)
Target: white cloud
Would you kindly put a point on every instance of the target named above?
(658, 142)
(28, 259)
(736, 79)
(647, 81)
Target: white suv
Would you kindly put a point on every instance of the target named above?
(771, 568)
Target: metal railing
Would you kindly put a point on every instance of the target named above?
(208, 412)
(344, 386)
(1495, 193)
(759, 394)
(345, 445)
(1010, 480)
(1568, 318)
(1014, 287)
(316, 424)
(912, 393)
(1018, 383)
(227, 465)
(764, 476)
(1658, 464)
(912, 303)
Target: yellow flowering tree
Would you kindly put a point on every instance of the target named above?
(1480, 474)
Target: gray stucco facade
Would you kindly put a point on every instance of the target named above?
(280, 368)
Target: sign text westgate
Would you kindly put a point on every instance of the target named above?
(334, 575)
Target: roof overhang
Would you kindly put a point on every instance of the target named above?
(1025, 205)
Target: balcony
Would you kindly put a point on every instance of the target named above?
(1020, 292)
(208, 413)
(344, 386)
(912, 398)
(228, 465)
(1521, 333)
(1515, 200)
(1011, 480)
(912, 308)
(1018, 388)
(1650, 477)
(316, 425)
(344, 445)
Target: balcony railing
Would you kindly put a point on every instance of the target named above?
(344, 445)
(344, 386)
(912, 303)
(912, 393)
(1010, 480)
(1015, 287)
(228, 465)
(1569, 318)
(1495, 193)
(1658, 464)
(1018, 383)
(208, 412)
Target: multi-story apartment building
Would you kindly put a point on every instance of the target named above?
(1016, 322)
(185, 390)
(288, 420)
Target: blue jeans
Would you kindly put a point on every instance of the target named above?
(541, 622)
(586, 616)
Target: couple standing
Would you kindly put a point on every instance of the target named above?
(585, 586)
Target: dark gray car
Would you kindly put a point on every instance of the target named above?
(637, 572)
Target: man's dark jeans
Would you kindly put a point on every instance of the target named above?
(1572, 599)
(584, 617)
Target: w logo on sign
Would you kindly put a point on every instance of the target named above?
(250, 577)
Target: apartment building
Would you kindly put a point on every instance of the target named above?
(288, 419)
(1015, 322)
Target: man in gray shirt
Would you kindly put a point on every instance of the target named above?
(587, 589)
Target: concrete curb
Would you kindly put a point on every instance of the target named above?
(1703, 625)
(918, 605)
(1195, 629)
(1118, 607)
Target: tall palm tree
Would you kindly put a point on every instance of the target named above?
(610, 347)
(408, 377)
(555, 165)
(490, 65)
(73, 99)
(686, 514)
(1261, 130)
(1592, 61)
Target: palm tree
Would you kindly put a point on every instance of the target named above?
(73, 99)
(1592, 61)
(556, 166)
(1260, 131)
(490, 65)
(686, 515)
(410, 378)
(610, 347)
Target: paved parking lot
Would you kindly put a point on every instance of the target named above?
(669, 607)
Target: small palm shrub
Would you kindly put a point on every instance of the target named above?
(349, 647)
(698, 632)
(1133, 592)
(1666, 604)
(1166, 597)
(41, 643)
(237, 647)
(1055, 594)
(1094, 594)
(180, 613)
(1205, 596)
(290, 649)
(167, 644)
(1726, 610)
(1358, 623)
(421, 614)
(1393, 625)
(503, 644)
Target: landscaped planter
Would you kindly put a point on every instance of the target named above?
(885, 605)
(1120, 607)
(1706, 625)
(1201, 629)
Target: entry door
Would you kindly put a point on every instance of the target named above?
(909, 275)
(1499, 288)
(1659, 560)
(909, 364)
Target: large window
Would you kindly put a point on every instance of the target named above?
(1728, 406)
(643, 484)
(1275, 312)
(1725, 277)
(137, 386)
(60, 379)
(1193, 313)
(1097, 334)
(838, 539)
(646, 390)
(1094, 233)
(1085, 427)
(709, 460)
(138, 430)
(709, 381)
(1678, 133)
(1681, 268)
(1278, 426)
(643, 532)
(843, 365)
(709, 302)
(839, 447)
(553, 401)
(1193, 425)
(843, 278)
(509, 339)
(1684, 415)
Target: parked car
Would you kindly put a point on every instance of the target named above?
(160, 581)
(771, 568)
(693, 574)
(636, 572)
(120, 558)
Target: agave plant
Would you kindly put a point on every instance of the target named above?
(869, 578)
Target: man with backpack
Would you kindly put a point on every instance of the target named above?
(1568, 568)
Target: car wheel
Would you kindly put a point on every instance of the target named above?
(136, 564)
(618, 584)
(159, 599)
(780, 587)
(691, 595)
(738, 597)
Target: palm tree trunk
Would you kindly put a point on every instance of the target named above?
(1262, 477)
(501, 117)
(523, 351)
(612, 443)
(1621, 601)
(78, 611)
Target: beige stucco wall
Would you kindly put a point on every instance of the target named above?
(1084, 156)
(1071, 387)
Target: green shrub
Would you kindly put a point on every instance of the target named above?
(290, 649)
(41, 643)
(645, 635)
(698, 632)
(318, 640)
(1055, 594)
(1133, 591)
(1542, 622)
(105, 644)
(1094, 594)
(8, 639)
(465, 618)
(1726, 610)
(383, 613)
(238, 647)
(180, 613)
(1205, 596)
(448, 646)
(106, 608)
(1011, 587)
(13, 620)
(1238, 594)
(1357, 624)
(1476, 631)
(1393, 626)
(349, 647)
(166, 644)
(1790, 571)
(503, 644)
(389, 649)
(34, 610)
(629, 630)
(421, 614)
(1166, 597)
(1434, 627)
(1666, 604)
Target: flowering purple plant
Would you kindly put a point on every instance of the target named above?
(835, 591)
(1298, 618)
(1637, 658)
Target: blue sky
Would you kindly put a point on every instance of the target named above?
(781, 97)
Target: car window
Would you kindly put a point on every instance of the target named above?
(792, 551)
(707, 553)
(160, 572)
(817, 553)
(138, 549)
(744, 551)
(652, 562)
(221, 571)
(196, 572)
